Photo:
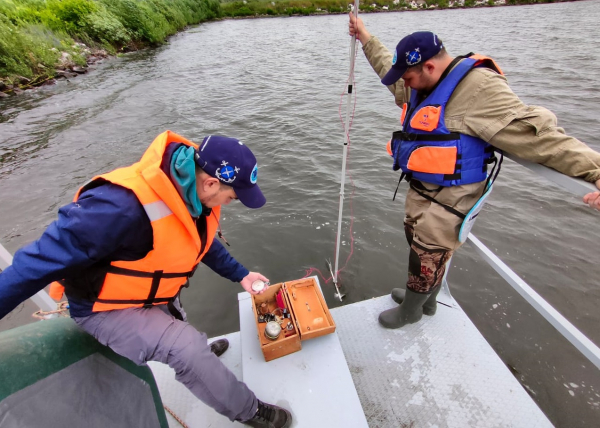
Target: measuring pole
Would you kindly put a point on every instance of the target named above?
(346, 142)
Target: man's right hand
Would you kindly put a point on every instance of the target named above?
(250, 278)
(593, 200)
(357, 28)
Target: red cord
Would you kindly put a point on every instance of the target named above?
(312, 270)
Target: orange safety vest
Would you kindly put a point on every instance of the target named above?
(177, 247)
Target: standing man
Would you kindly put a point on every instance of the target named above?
(455, 112)
(127, 245)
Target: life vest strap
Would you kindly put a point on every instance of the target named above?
(455, 176)
(174, 311)
(134, 301)
(154, 288)
(143, 274)
(406, 136)
(145, 302)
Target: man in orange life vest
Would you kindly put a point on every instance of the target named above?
(455, 113)
(126, 246)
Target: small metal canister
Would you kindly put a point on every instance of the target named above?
(272, 330)
(258, 285)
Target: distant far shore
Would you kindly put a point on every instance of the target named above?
(48, 40)
(249, 9)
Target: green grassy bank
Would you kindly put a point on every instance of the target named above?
(39, 38)
(258, 8)
(43, 39)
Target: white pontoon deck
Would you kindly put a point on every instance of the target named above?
(439, 372)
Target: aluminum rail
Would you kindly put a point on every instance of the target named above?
(41, 298)
(568, 330)
(579, 188)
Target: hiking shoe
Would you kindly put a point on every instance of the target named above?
(218, 347)
(270, 416)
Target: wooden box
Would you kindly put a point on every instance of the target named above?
(308, 315)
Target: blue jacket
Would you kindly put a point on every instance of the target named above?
(107, 223)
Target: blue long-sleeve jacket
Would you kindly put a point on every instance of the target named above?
(106, 223)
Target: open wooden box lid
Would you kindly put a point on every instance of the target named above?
(308, 308)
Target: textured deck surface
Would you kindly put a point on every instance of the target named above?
(439, 372)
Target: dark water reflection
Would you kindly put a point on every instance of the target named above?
(276, 84)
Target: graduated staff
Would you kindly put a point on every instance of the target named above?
(127, 245)
(455, 112)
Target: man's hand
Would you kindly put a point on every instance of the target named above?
(250, 278)
(593, 200)
(356, 27)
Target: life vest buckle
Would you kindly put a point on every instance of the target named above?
(410, 137)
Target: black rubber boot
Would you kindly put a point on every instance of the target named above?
(409, 312)
(270, 416)
(429, 307)
(398, 295)
(218, 347)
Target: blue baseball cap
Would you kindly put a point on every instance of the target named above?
(413, 49)
(232, 163)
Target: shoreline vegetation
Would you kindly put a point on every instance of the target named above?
(45, 40)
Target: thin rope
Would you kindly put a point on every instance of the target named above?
(61, 309)
(177, 418)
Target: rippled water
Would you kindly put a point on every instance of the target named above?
(276, 84)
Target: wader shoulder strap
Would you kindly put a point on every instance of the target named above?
(495, 169)
(402, 176)
(431, 199)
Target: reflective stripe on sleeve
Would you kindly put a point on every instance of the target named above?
(157, 210)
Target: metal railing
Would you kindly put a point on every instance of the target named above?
(579, 188)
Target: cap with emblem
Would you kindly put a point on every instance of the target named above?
(412, 50)
(232, 163)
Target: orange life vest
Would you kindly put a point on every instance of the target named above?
(177, 247)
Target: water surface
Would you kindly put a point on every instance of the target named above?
(276, 84)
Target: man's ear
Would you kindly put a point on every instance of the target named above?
(429, 67)
(209, 184)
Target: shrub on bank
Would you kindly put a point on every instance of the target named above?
(32, 49)
(37, 35)
(287, 7)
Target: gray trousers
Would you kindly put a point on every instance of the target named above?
(152, 334)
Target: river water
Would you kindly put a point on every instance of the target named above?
(277, 84)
